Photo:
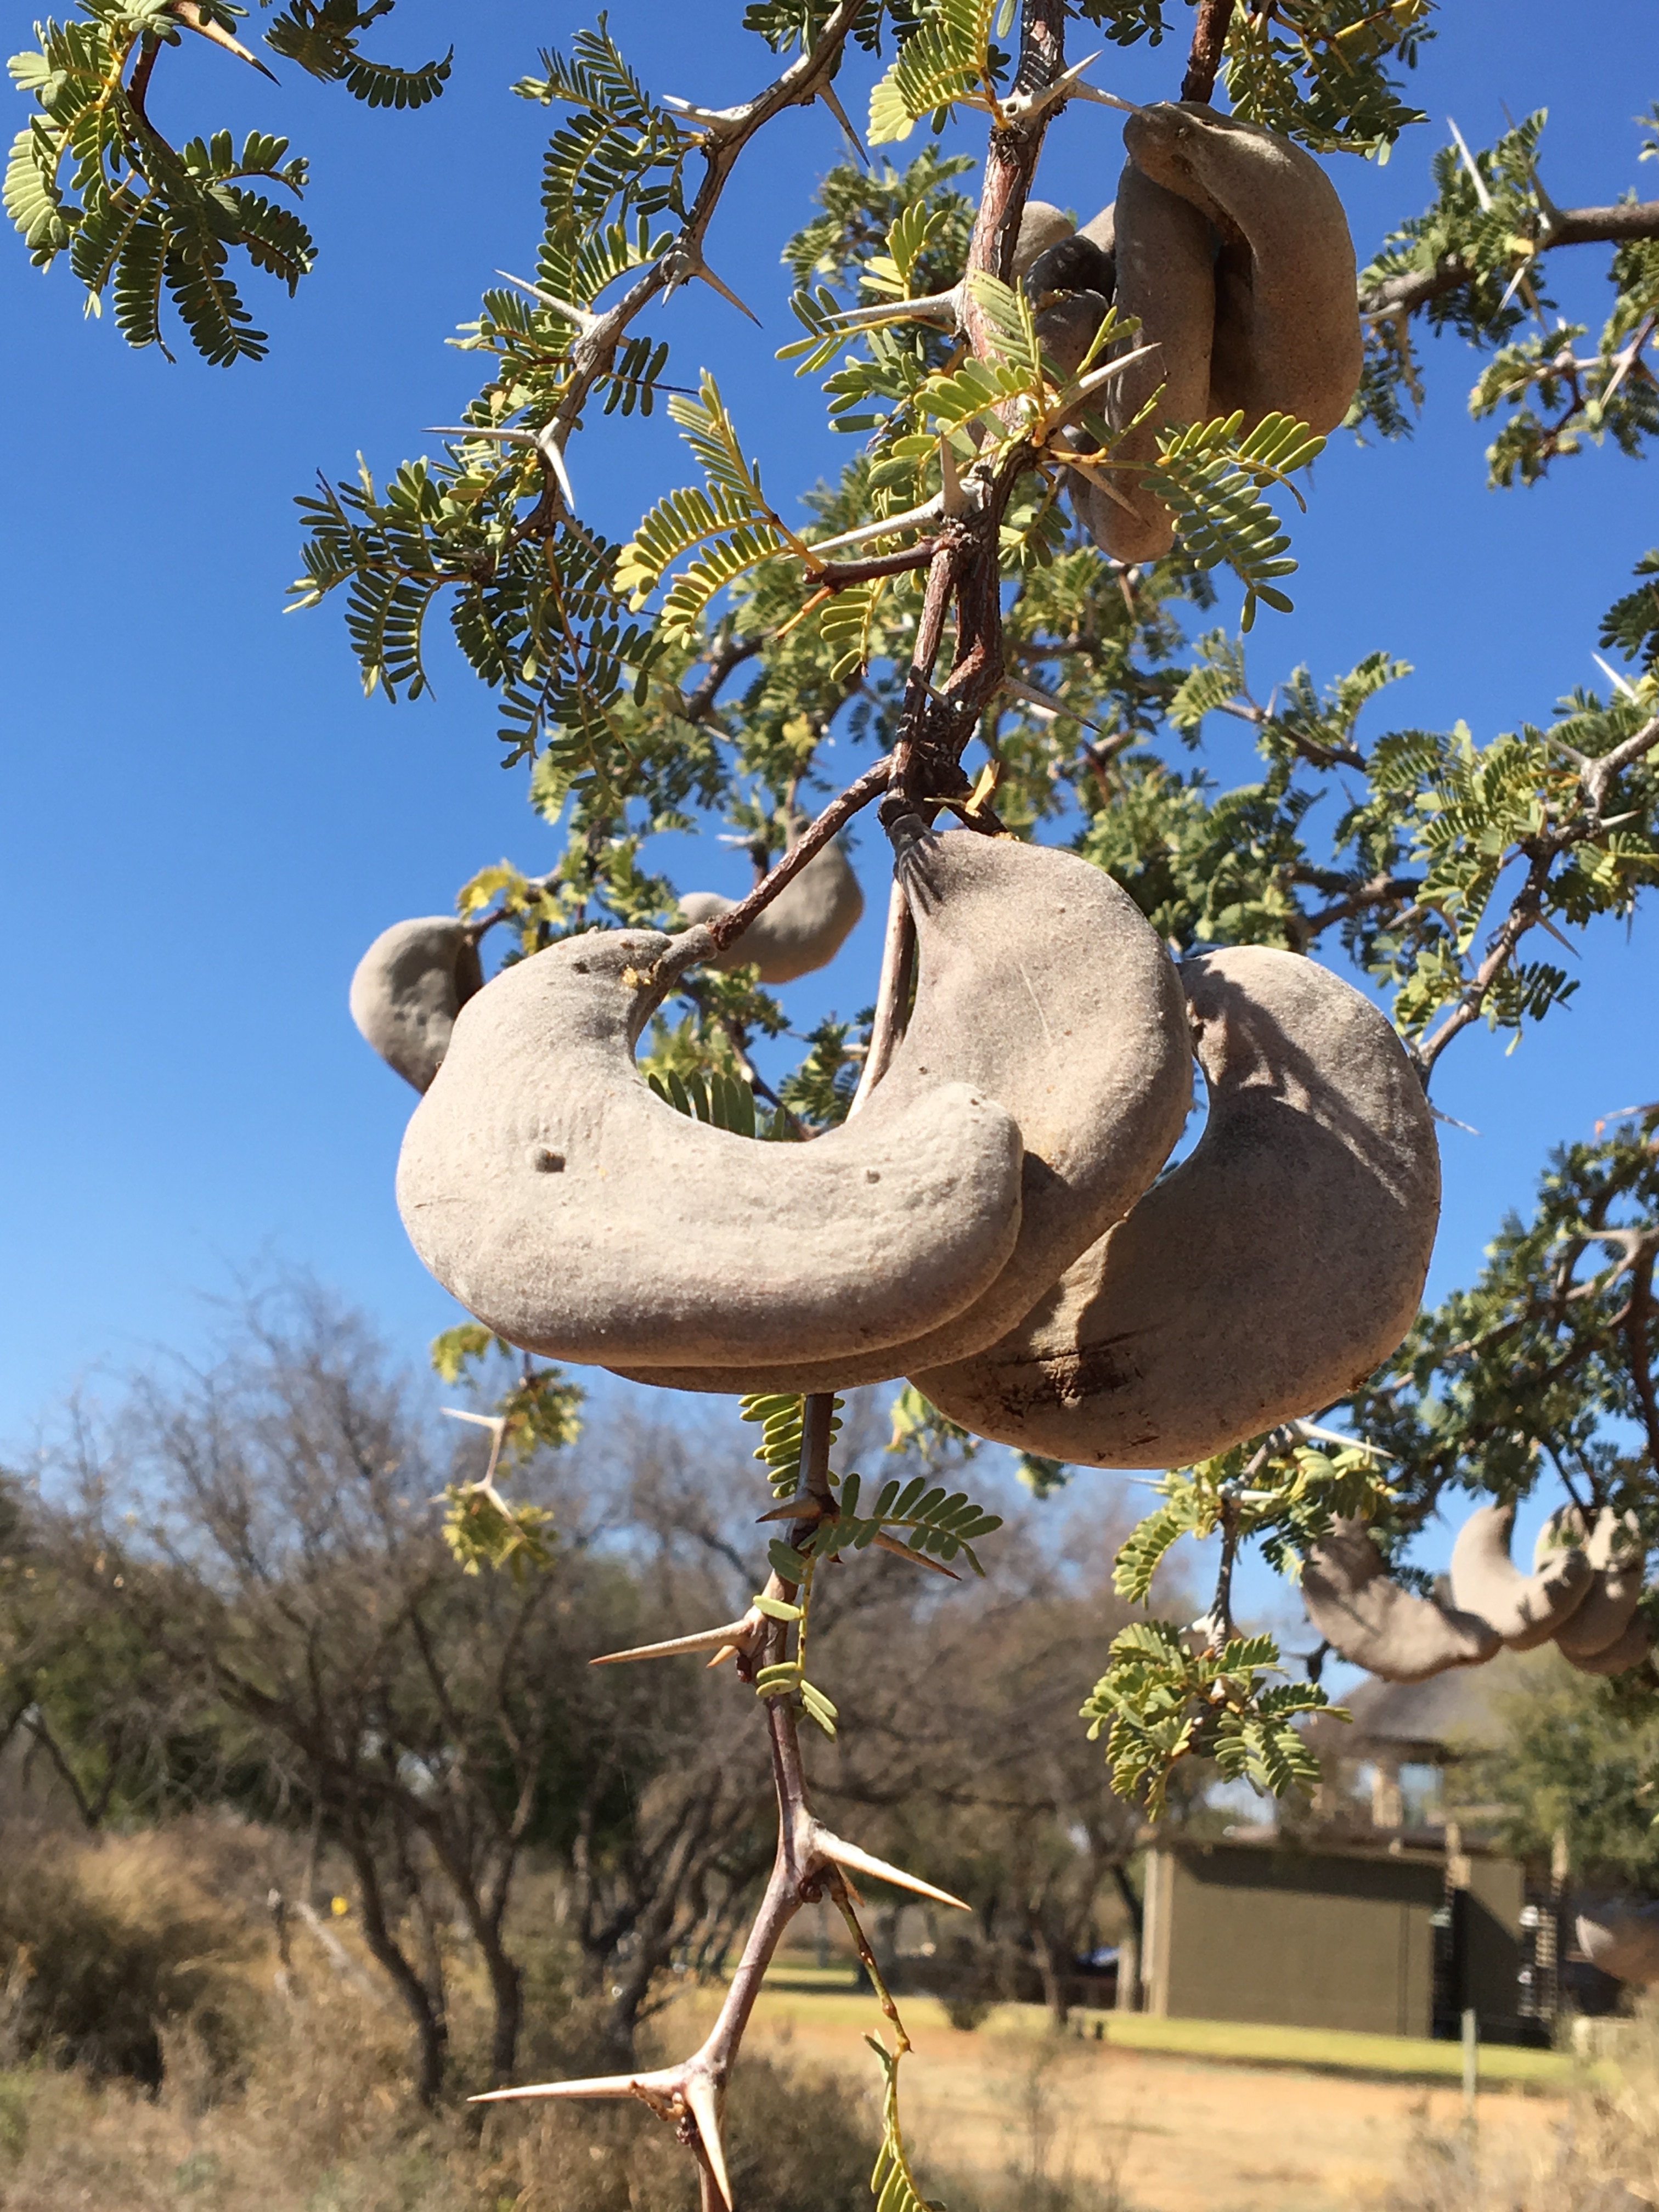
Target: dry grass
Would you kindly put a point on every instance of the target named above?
(301, 2102)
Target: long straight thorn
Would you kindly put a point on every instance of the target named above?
(917, 1559)
(706, 1639)
(865, 1862)
(704, 2107)
(190, 13)
(646, 2086)
(831, 100)
(579, 316)
(700, 268)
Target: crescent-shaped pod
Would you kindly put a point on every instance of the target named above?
(1617, 1658)
(579, 1216)
(1366, 1617)
(1042, 226)
(1525, 1610)
(1613, 1548)
(804, 928)
(1041, 985)
(1164, 260)
(1263, 1278)
(1622, 1938)
(408, 988)
(1287, 338)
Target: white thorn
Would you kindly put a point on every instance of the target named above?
(494, 1422)
(579, 316)
(734, 1631)
(1619, 682)
(1476, 177)
(914, 517)
(598, 2085)
(955, 500)
(849, 1855)
(704, 2107)
(190, 13)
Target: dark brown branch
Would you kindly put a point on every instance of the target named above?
(837, 576)
(1638, 1328)
(725, 138)
(1203, 57)
(1603, 226)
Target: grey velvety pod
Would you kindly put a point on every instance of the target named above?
(1067, 330)
(578, 1215)
(1367, 1619)
(1041, 225)
(1525, 1610)
(1287, 336)
(1261, 1279)
(1040, 985)
(1165, 260)
(1613, 1546)
(408, 988)
(804, 926)
(1629, 1650)
(1621, 1937)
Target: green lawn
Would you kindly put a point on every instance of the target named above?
(824, 1995)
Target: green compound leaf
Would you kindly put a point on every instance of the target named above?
(1212, 481)
(950, 59)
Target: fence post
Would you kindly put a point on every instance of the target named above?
(1471, 2064)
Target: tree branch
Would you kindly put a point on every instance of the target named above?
(1204, 59)
(1604, 226)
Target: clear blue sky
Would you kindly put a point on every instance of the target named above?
(204, 823)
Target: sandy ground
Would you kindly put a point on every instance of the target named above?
(1174, 2135)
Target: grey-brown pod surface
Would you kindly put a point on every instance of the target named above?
(1164, 255)
(1366, 1617)
(1067, 330)
(1525, 1610)
(578, 1215)
(1622, 1938)
(1617, 1658)
(1041, 985)
(1261, 1279)
(408, 988)
(804, 928)
(1041, 225)
(1287, 336)
(1613, 1546)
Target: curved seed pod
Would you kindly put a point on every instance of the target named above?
(1077, 264)
(1622, 1939)
(1287, 336)
(578, 1215)
(804, 926)
(1617, 1657)
(408, 988)
(1165, 269)
(1525, 1610)
(1368, 1619)
(1067, 330)
(1041, 985)
(1040, 227)
(1613, 1548)
(1267, 1274)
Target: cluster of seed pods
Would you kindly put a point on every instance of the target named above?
(1229, 247)
(997, 1224)
(1582, 1594)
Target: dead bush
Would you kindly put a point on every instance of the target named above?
(107, 1945)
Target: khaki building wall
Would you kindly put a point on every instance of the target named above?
(1293, 1939)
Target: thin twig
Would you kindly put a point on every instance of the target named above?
(727, 928)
